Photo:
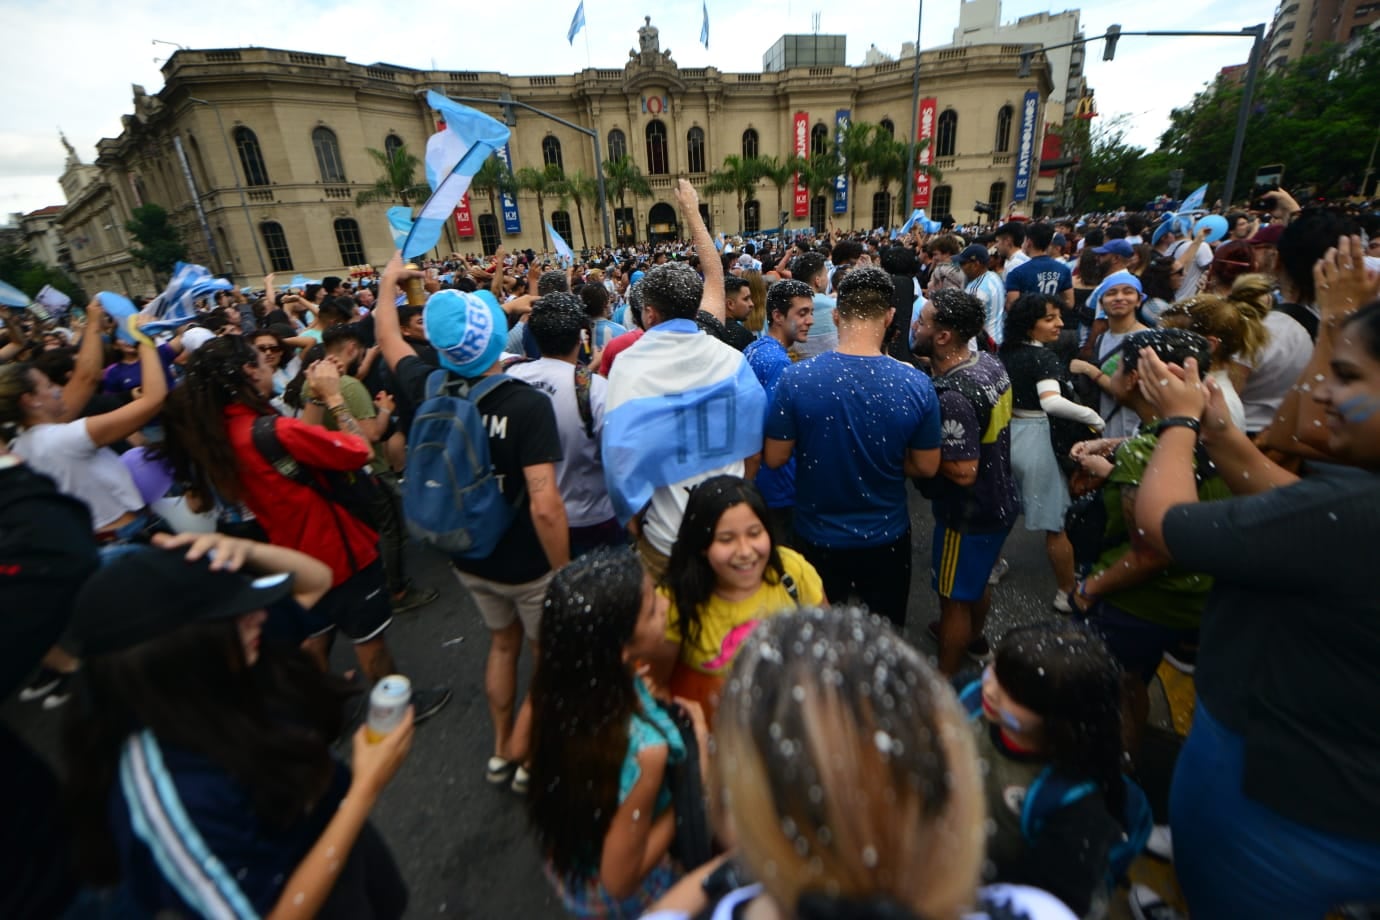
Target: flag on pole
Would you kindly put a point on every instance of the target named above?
(1194, 202)
(704, 28)
(562, 248)
(399, 224)
(577, 23)
(176, 306)
(453, 155)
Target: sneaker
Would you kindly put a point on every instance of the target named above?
(998, 572)
(499, 772)
(1183, 659)
(520, 780)
(60, 693)
(413, 598)
(1161, 843)
(1145, 904)
(1061, 603)
(426, 703)
(42, 684)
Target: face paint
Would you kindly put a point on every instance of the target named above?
(1358, 409)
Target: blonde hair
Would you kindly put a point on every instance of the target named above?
(15, 383)
(1236, 320)
(848, 768)
(757, 286)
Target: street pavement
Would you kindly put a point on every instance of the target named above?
(464, 845)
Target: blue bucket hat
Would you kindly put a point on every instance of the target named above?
(1115, 279)
(468, 330)
(1182, 225)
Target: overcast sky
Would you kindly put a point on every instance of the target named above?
(70, 65)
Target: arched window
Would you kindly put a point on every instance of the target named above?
(391, 145)
(551, 152)
(251, 157)
(488, 233)
(996, 199)
(276, 243)
(694, 145)
(819, 140)
(1003, 142)
(618, 145)
(818, 204)
(328, 159)
(888, 126)
(750, 143)
(560, 222)
(752, 216)
(658, 163)
(946, 136)
(347, 238)
(941, 202)
(881, 209)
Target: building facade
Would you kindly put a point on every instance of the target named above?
(258, 154)
(1302, 27)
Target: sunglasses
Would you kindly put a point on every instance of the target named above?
(269, 349)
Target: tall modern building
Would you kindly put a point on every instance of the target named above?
(1302, 27)
(979, 23)
(259, 154)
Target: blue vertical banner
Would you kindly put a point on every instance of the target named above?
(1025, 151)
(511, 222)
(841, 119)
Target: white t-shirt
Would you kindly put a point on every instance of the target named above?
(1234, 407)
(1193, 272)
(580, 475)
(81, 469)
(1016, 258)
(1275, 370)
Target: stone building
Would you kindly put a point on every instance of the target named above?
(258, 154)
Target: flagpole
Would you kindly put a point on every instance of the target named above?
(588, 62)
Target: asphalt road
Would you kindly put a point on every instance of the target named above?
(462, 844)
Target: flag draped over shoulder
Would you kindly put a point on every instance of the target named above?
(561, 246)
(176, 306)
(453, 156)
(678, 406)
(577, 22)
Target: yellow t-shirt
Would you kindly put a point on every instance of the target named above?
(724, 625)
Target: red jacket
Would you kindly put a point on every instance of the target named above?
(291, 514)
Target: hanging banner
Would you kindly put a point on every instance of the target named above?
(511, 222)
(802, 149)
(841, 119)
(924, 131)
(1025, 151)
(464, 221)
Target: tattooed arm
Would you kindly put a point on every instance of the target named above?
(324, 377)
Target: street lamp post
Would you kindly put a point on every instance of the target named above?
(239, 187)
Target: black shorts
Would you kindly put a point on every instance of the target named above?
(359, 607)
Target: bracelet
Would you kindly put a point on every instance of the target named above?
(1081, 588)
(1178, 421)
(341, 409)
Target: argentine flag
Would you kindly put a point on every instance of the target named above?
(176, 306)
(453, 155)
(1194, 202)
(577, 23)
(558, 242)
(679, 406)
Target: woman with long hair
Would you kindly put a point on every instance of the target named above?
(756, 321)
(1038, 384)
(601, 743)
(726, 574)
(1235, 328)
(200, 777)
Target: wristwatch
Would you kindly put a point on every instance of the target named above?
(1178, 421)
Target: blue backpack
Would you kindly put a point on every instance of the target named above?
(1050, 792)
(451, 496)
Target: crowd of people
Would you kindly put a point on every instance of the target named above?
(677, 475)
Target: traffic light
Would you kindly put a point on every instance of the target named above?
(1109, 49)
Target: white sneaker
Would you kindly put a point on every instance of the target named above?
(1161, 843)
(1146, 904)
(1061, 603)
(998, 572)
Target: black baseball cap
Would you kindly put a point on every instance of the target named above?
(147, 592)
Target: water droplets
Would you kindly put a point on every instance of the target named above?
(869, 856)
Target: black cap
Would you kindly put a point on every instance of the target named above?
(146, 592)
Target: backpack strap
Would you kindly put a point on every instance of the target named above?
(789, 584)
(583, 381)
(441, 380)
(1049, 793)
(970, 698)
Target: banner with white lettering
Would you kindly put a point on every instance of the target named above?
(841, 119)
(511, 222)
(802, 150)
(464, 220)
(929, 108)
(1025, 150)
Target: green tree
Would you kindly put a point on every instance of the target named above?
(549, 180)
(397, 181)
(818, 174)
(739, 177)
(887, 163)
(18, 267)
(493, 179)
(622, 176)
(581, 189)
(780, 173)
(160, 246)
(855, 149)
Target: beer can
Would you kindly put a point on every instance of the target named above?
(387, 703)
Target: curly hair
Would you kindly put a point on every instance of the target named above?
(195, 440)
(1028, 310)
(959, 312)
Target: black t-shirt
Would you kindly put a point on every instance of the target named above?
(522, 433)
(1027, 365)
(738, 335)
(1291, 641)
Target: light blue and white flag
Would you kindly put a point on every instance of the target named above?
(704, 28)
(176, 306)
(678, 405)
(578, 22)
(561, 246)
(11, 296)
(399, 224)
(453, 156)
(1194, 202)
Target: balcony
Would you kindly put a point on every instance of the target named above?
(340, 192)
(1001, 159)
(463, 76)
(541, 81)
(260, 194)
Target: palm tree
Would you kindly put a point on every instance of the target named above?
(781, 173)
(580, 188)
(542, 182)
(887, 162)
(398, 182)
(818, 174)
(624, 176)
(494, 178)
(739, 176)
(855, 149)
